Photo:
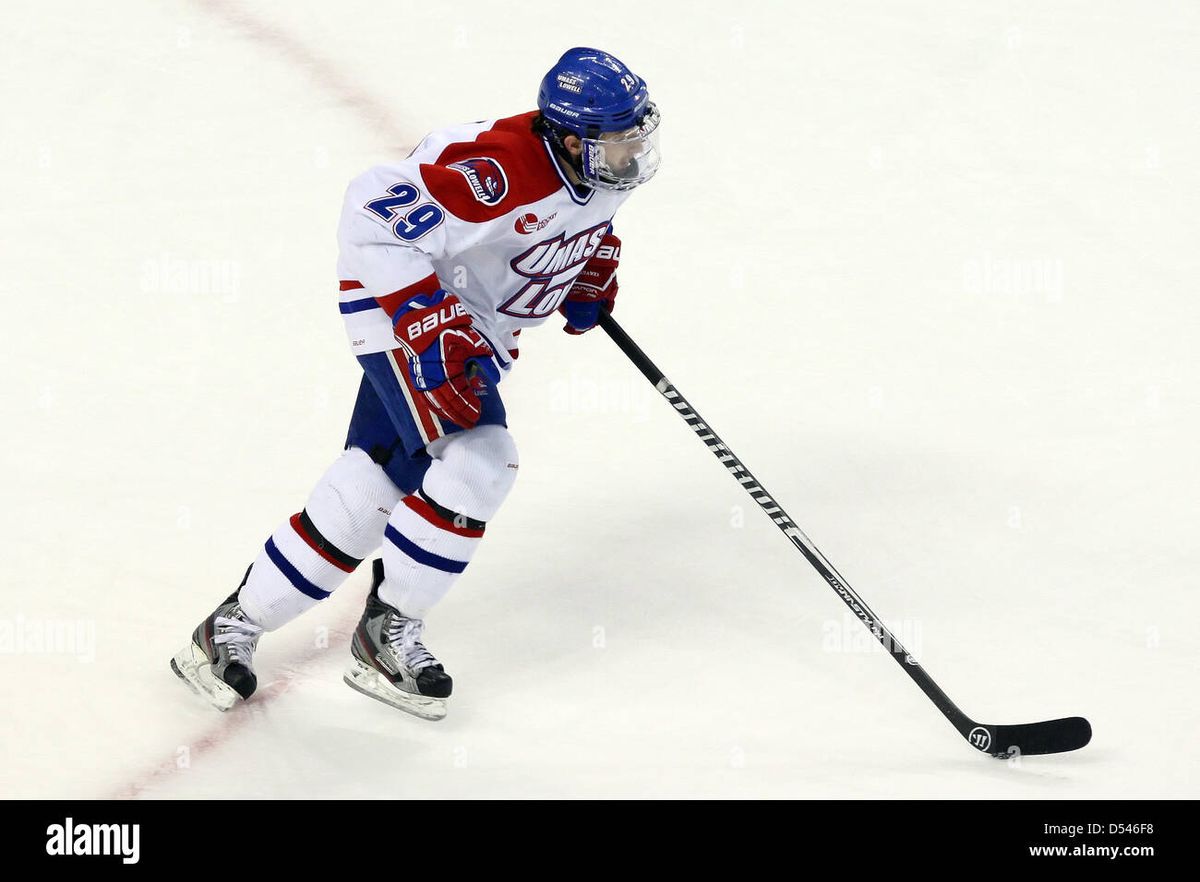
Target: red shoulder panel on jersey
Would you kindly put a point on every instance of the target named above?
(501, 169)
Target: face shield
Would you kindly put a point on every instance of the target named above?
(622, 160)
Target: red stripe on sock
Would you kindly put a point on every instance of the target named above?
(311, 543)
(423, 508)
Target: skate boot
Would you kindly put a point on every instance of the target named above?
(390, 663)
(218, 663)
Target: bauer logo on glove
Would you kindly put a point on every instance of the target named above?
(448, 360)
(443, 317)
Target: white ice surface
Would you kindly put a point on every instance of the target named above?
(929, 268)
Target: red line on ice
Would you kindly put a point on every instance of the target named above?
(324, 72)
(327, 76)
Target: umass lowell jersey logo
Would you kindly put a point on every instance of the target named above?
(486, 178)
(551, 267)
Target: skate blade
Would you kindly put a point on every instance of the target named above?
(365, 679)
(193, 667)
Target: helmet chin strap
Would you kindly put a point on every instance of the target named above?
(561, 151)
(554, 137)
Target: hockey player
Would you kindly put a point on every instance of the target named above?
(482, 231)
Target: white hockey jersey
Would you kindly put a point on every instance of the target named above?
(482, 210)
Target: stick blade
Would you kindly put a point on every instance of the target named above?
(1031, 739)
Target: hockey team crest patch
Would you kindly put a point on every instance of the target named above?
(486, 178)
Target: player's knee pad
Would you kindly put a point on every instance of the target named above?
(472, 471)
(351, 503)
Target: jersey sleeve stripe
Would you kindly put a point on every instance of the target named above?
(358, 306)
(391, 303)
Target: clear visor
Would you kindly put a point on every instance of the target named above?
(621, 160)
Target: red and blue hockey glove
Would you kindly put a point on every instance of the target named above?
(595, 288)
(447, 358)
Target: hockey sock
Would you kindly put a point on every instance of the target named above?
(317, 548)
(432, 534)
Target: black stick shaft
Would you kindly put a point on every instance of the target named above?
(775, 512)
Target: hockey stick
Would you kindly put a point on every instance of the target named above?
(1049, 736)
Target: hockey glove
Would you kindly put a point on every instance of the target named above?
(594, 289)
(447, 358)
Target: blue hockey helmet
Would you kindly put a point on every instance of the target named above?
(591, 94)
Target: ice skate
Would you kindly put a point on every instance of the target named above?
(218, 663)
(391, 664)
